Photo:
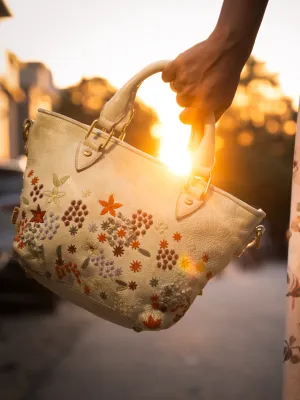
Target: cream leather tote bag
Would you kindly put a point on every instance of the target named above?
(112, 229)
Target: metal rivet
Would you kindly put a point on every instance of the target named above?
(87, 153)
(189, 201)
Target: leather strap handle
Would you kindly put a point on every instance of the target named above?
(118, 111)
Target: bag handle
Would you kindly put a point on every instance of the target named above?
(118, 111)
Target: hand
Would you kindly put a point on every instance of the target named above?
(205, 77)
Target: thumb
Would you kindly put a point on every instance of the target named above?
(169, 72)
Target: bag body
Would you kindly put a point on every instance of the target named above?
(113, 230)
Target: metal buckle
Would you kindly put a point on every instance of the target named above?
(259, 231)
(102, 146)
(190, 180)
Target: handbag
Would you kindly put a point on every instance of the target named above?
(112, 229)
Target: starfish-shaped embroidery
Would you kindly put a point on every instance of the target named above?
(38, 215)
(109, 206)
(54, 196)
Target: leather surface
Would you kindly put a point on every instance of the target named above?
(86, 217)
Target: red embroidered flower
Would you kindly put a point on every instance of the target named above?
(102, 237)
(30, 173)
(136, 266)
(21, 245)
(205, 257)
(38, 215)
(86, 289)
(163, 244)
(208, 275)
(109, 206)
(121, 233)
(152, 323)
(154, 298)
(177, 237)
(135, 244)
(34, 180)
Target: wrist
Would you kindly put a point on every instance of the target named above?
(234, 41)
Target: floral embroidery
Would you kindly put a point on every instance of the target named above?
(177, 237)
(38, 215)
(75, 214)
(91, 247)
(290, 349)
(294, 287)
(132, 285)
(118, 251)
(72, 249)
(153, 282)
(166, 258)
(102, 237)
(185, 263)
(35, 194)
(73, 230)
(208, 275)
(86, 193)
(136, 266)
(152, 323)
(205, 257)
(109, 206)
(108, 269)
(93, 228)
(161, 227)
(34, 180)
(47, 230)
(163, 244)
(55, 195)
(141, 222)
(135, 244)
(87, 289)
(103, 295)
(30, 173)
(105, 225)
(121, 233)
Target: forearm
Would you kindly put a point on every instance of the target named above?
(238, 24)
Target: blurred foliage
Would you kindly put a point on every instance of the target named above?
(84, 101)
(256, 143)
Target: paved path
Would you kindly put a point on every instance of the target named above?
(229, 346)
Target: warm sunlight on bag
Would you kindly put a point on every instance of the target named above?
(112, 229)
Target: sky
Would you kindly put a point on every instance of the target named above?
(114, 39)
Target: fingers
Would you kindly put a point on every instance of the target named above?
(192, 116)
(169, 72)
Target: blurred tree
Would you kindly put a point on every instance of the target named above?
(84, 101)
(256, 141)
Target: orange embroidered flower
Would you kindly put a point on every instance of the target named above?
(177, 237)
(109, 206)
(208, 275)
(34, 180)
(205, 257)
(86, 289)
(121, 233)
(163, 244)
(135, 244)
(30, 173)
(38, 215)
(152, 323)
(21, 245)
(136, 266)
(102, 237)
(185, 263)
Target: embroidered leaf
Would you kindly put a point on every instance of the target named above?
(62, 180)
(121, 288)
(122, 283)
(25, 201)
(85, 263)
(287, 354)
(55, 180)
(292, 340)
(58, 252)
(144, 252)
